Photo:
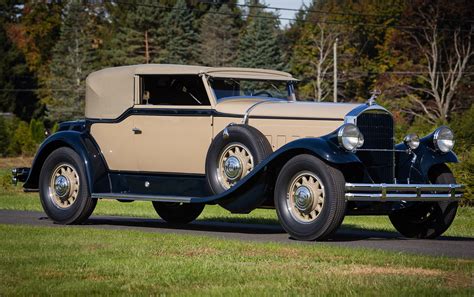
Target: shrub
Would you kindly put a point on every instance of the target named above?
(464, 172)
(22, 142)
(6, 182)
(37, 130)
(4, 138)
(463, 125)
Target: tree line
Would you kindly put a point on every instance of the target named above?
(417, 53)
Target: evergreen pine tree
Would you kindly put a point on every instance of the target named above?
(139, 39)
(219, 38)
(73, 59)
(181, 36)
(259, 47)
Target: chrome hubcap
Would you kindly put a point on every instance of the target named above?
(61, 186)
(64, 186)
(234, 163)
(305, 197)
(232, 167)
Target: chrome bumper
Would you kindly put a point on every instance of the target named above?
(403, 192)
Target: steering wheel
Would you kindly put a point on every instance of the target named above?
(263, 93)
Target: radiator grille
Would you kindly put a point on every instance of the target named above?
(377, 128)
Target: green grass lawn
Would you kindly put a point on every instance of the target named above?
(79, 261)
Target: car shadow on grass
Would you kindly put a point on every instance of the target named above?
(259, 226)
(351, 232)
(211, 226)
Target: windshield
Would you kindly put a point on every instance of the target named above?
(225, 88)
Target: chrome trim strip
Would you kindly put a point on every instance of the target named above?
(351, 116)
(401, 197)
(245, 120)
(398, 192)
(402, 187)
(142, 197)
(383, 150)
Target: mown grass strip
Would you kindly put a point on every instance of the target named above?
(59, 261)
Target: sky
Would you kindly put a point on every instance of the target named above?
(293, 4)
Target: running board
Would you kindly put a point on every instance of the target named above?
(140, 197)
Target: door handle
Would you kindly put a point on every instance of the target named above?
(137, 131)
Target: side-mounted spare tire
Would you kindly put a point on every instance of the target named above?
(234, 152)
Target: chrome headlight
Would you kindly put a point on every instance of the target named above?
(443, 139)
(412, 141)
(349, 137)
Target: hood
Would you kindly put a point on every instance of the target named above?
(285, 109)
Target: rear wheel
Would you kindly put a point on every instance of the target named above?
(63, 188)
(309, 198)
(427, 219)
(178, 213)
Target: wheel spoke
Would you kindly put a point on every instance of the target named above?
(64, 186)
(306, 197)
(231, 171)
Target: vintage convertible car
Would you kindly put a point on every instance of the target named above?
(186, 136)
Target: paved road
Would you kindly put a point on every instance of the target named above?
(444, 246)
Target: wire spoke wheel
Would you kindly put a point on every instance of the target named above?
(235, 162)
(305, 197)
(64, 186)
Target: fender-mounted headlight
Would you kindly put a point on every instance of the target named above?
(443, 139)
(412, 141)
(349, 137)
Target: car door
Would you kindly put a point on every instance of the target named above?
(173, 124)
(116, 142)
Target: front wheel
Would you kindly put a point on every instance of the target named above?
(178, 213)
(427, 219)
(309, 198)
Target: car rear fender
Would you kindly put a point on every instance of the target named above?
(83, 144)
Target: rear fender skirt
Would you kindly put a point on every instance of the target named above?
(426, 158)
(83, 144)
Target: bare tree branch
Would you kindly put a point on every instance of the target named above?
(446, 62)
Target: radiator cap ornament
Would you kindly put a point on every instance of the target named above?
(375, 93)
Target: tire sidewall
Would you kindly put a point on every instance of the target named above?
(316, 228)
(177, 213)
(443, 213)
(71, 214)
(238, 135)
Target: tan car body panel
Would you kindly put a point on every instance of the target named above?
(179, 148)
(179, 144)
(287, 109)
(117, 144)
(285, 121)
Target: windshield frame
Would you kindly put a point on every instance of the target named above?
(290, 89)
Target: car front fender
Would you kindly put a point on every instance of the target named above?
(417, 168)
(241, 195)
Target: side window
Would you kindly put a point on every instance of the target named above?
(173, 90)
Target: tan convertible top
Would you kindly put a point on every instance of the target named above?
(109, 92)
